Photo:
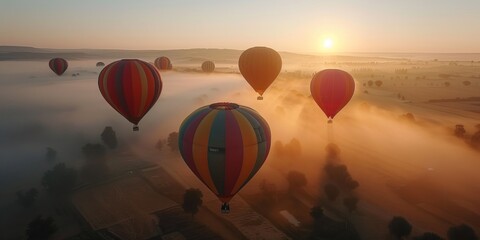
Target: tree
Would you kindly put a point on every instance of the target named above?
(370, 83)
(40, 228)
(51, 154)
(466, 83)
(94, 151)
(296, 180)
(378, 83)
(269, 190)
(332, 191)
(109, 137)
(475, 141)
(172, 141)
(399, 227)
(293, 149)
(316, 212)
(461, 232)
(192, 200)
(60, 180)
(428, 236)
(350, 203)
(459, 130)
(27, 199)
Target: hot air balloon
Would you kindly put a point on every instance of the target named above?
(332, 89)
(100, 64)
(163, 63)
(58, 65)
(224, 144)
(208, 66)
(131, 87)
(260, 66)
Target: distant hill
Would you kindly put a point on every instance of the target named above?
(184, 56)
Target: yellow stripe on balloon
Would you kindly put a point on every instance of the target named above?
(250, 149)
(200, 149)
(144, 86)
(105, 87)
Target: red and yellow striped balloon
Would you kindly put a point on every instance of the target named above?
(224, 144)
(58, 65)
(163, 63)
(131, 87)
(208, 66)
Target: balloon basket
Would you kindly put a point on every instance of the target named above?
(259, 98)
(135, 128)
(330, 121)
(225, 208)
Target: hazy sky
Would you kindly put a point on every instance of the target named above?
(286, 25)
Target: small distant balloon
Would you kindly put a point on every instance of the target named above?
(163, 63)
(260, 66)
(332, 89)
(224, 144)
(100, 64)
(131, 87)
(58, 65)
(208, 66)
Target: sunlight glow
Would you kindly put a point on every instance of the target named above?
(327, 43)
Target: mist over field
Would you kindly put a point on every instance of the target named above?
(402, 151)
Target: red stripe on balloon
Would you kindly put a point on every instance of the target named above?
(233, 152)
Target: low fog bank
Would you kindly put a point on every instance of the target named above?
(397, 159)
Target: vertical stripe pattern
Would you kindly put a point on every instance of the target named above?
(163, 63)
(224, 144)
(208, 66)
(332, 89)
(58, 65)
(131, 87)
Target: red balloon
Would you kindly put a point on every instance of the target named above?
(163, 63)
(58, 65)
(332, 89)
(131, 87)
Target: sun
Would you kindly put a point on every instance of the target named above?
(327, 43)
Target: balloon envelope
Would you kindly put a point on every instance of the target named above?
(163, 63)
(260, 66)
(58, 65)
(224, 144)
(332, 89)
(208, 66)
(131, 87)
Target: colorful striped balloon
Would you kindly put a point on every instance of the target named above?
(208, 66)
(131, 87)
(332, 89)
(224, 144)
(58, 65)
(163, 63)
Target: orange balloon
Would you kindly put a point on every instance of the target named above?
(260, 66)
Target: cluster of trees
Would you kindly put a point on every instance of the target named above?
(26, 199)
(339, 180)
(473, 140)
(292, 149)
(192, 200)
(401, 71)
(401, 228)
(407, 117)
(171, 142)
(401, 97)
(41, 228)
